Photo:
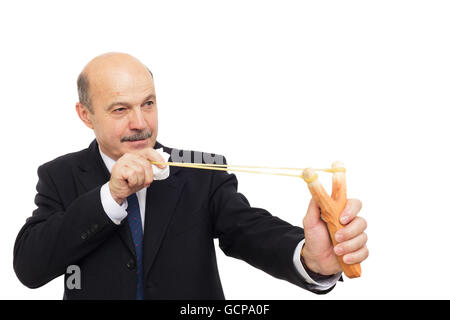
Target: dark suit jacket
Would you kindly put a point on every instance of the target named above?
(184, 213)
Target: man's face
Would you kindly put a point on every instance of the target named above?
(125, 116)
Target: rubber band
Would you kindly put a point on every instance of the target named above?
(226, 167)
(331, 170)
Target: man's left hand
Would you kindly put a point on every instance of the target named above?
(318, 252)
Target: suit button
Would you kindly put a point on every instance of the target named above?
(84, 236)
(94, 228)
(131, 264)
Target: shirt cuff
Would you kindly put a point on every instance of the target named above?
(112, 209)
(324, 284)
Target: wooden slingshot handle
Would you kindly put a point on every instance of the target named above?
(332, 207)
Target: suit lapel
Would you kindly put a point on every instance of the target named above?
(93, 173)
(161, 202)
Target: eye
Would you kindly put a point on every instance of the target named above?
(149, 103)
(118, 110)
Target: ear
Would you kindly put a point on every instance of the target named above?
(84, 114)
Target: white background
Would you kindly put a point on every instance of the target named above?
(287, 83)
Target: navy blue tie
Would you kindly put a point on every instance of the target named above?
(134, 220)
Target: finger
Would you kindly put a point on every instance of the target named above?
(147, 170)
(148, 174)
(351, 245)
(357, 256)
(312, 216)
(129, 175)
(339, 190)
(353, 229)
(152, 155)
(139, 167)
(350, 211)
(138, 171)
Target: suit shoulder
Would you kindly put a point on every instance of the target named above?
(64, 162)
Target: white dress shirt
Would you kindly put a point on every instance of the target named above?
(118, 212)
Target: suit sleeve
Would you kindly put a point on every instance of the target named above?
(55, 237)
(253, 234)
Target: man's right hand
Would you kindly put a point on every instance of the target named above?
(132, 172)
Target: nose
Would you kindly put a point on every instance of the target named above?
(137, 120)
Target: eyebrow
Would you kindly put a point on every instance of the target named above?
(126, 104)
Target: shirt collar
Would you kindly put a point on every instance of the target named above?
(109, 163)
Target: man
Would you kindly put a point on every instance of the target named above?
(99, 211)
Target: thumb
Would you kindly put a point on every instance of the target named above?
(312, 217)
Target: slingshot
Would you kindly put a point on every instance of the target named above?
(331, 207)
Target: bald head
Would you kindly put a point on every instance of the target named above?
(105, 70)
(118, 101)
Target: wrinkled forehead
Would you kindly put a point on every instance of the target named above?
(131, 83)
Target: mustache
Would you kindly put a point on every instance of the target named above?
(142, 135)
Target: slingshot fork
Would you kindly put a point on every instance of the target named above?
(332, 207)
